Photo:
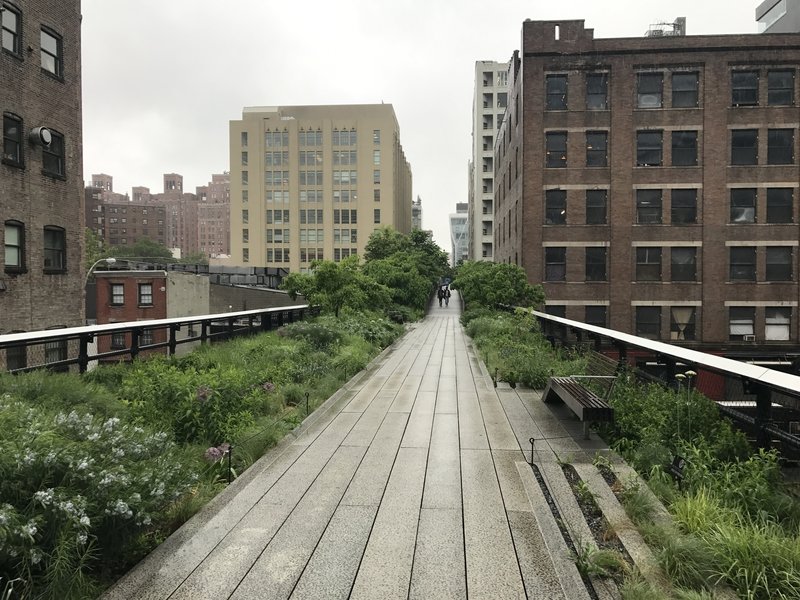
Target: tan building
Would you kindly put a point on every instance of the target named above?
(651, 184)
(314, 182)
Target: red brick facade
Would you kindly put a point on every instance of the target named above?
(555, 95)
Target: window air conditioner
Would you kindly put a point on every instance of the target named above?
(749, 338)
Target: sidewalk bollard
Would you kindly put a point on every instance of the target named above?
(306, 403)
(532, 440)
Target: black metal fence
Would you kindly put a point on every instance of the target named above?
(758, 396)
(79, 348)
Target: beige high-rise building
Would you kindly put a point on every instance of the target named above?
(314, 182)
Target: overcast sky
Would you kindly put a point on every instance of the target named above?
(163, 78)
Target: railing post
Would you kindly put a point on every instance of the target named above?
(622, 359)
(204, 332)
(763, 415)
(173, 338)
(135, 333)
(83, 351)
(266, 321)
(230, 327)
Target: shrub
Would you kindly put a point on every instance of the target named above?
(74, 486)
(317, 334)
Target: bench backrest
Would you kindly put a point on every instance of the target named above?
(601, 373)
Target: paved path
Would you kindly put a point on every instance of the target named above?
(411, 482)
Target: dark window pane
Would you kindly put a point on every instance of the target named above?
(55, 257)
(648, 263)
(684, 90)
(596, 148)
(596, 264)
(648, 148)
(780, 88)
(743, 205)
(648, 322)
(684, 264)
(780, 205)
(684, 148)
(744, 147)
(556, 149)
(597, 91)
(684, 206)
(12, 140)
(556, 92)
(648, 206)
(741, 322)
(743, 263)
(596, 211)
(555, 212)
(744, 86)
(649, 90)
(555, 267)
(779, 263)
(53, 155)
(780, 147)
(596, 315)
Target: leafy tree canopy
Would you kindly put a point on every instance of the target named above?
(143, 248)
(489, 284)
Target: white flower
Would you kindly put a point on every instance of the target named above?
(118, 452)
(81, 538)
(85, 521)
(44, 496)
(110, 424)
(121, 508)
(29, 529)
(36, 556)
(93, 437)
(136, 497)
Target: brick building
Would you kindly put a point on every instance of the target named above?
(651, 184)
(123, 223)
(41, 169)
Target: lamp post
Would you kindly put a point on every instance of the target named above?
(108, 261)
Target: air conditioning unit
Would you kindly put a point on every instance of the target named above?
(749, 338)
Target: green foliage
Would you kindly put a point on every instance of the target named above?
(143, 248)
(637, 503)
(317, 334)
(67, 392)
(71, 484)
(491, 284)
(593, 562)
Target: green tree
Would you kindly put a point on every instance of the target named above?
(94, 248)
(195, 258)
(144, 248)
(489, 284)
(335, 285)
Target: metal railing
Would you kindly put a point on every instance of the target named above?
(761, 400)
(79, 347)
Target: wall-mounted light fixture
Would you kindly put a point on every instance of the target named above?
(40, 136)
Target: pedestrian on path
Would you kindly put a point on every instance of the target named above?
(440, 293)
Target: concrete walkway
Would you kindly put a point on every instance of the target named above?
(411, 482)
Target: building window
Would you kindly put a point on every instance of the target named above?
(779, 263)
(682, 324)
(376, 215)
(14, 241)
(780, 88)
(743, 263)
(244, 159)
(12, 140)
(780, 207)
(55, 249)
(648, 207)
(596, 207)
(743, 205)
(778, 323)
(648, 263)
(595, 314)
(376, 176)
(556, 149)
(596, 148)
(597, 91)
(244, 139)
(684, 263)
(684, 90)
(118, 341)
(52, 53)
(53, 156)
(684, 148)
(11, 19)
(245, 177)
(744, 147)
(684, 207)
(649, 148)
(246, 235)
(376, 157)
(556, 91)
(649, 88)
(555, 264)
(780, 146)
(744, 88)
(376, 136)
(741, 323)
(117, 294)
(145, 294)
(596, 269)
(246, 216)
(146, 337)
(648, 322)
(555, 209)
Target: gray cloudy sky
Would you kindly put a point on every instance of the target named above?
(162, 78)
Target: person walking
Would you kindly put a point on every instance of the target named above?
(440, 293)
(447, 296)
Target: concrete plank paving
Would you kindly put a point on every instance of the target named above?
(409, 484)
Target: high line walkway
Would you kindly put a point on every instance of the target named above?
(412, 481)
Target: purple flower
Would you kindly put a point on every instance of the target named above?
(268, 386)
(204, 393)
(213, 454)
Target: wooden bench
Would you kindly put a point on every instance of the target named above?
(587, 395)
